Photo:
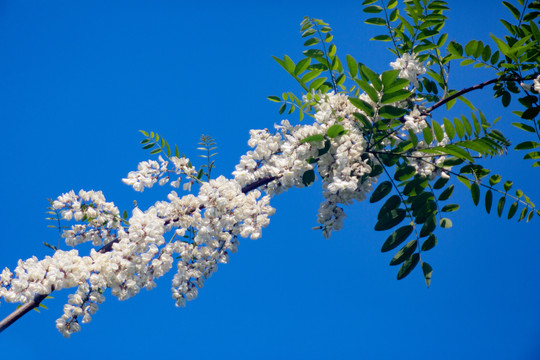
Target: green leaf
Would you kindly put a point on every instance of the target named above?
(428, 271)
(397, 84)
(500, 206)
(396, 238)
(429, 225)
(512, 210)
(404, 253)
(489, 200)
(310, 76)
(302, 66)
(494, 179)
(317, 83)
(455, 49)
(144, 133)
(396, 96)
(450, 208)
(392, 203)
(381, 191)
(375, 21)
(312, 41)
(405, 173)
(530, 113)
(289, 64)
(512, 9)
(439, 133)
(362, 105)
(429, 243)
(419, 202)
(391, 112)
(308, 178)
(390, 219)
(381, 38)
(313, 53)
(439, 184)
(523, 214)
(408, 266)
(368, 89)
(372, 76)
(506, 97)
(460, 129)
(374, 9)
(335, 131)
(274, 98)
(507, 185)
(352, 65)
(503, 47)
(445, 195)
(467, 124)
(471, 47)
(475, 193)
(308, 32)
(524, 127)
(332, 50)
(534, 155)
(446, 223)
(449, 128)
(313, 138)
(428, 136)
(415, 186)
(394, 15)
(324, 150)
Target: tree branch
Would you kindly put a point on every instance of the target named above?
(472, 88)
(21, 311)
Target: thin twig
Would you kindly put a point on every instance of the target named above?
(472, 88)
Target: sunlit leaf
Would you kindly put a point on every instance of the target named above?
(428, 271)
(408, 266)
(390, 219)
(404, 253)
(396, 238)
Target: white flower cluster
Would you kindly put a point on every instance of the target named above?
(206, 227)
(102, 219)
(220, 214)
(415, 121)
(536, 84)
(149, 172)
(343, 167)
(410, 68)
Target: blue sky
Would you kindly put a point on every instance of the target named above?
(79, 79)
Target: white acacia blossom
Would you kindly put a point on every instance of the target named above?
(410, 68)
(536, 84)
(205, 227)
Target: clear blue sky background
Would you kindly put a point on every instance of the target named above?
(80, 78)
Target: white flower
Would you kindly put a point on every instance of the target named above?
(536, 84)
(409, 68)
(415, 121)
